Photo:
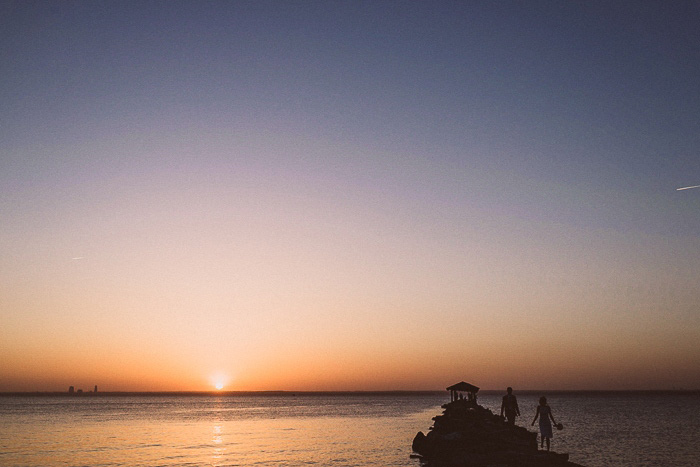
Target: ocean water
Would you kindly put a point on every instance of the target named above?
(626, 429)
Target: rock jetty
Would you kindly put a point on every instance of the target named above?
(469, 435)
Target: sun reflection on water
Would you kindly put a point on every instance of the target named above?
(217, 440)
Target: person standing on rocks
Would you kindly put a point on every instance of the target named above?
(510, 407)
(544, 412)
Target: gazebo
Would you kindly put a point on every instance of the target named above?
(457, 390)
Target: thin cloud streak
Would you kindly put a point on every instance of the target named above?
(687, 187)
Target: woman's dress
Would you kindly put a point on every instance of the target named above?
(545, 423)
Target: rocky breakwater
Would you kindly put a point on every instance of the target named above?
(469, 435)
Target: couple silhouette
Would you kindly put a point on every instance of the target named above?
(510, 408)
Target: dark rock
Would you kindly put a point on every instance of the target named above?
(469, 435)
(419, 443)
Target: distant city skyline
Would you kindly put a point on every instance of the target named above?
(268, 195)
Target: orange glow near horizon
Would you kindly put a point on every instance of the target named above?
(357, 350)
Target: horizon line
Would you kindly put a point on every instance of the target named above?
(333, 392)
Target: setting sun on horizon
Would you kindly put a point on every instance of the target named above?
(219, 381)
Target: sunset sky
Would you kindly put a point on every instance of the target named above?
(350, 195)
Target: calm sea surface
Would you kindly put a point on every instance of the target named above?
(324, 430)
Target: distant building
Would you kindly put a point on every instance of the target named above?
(80, 391)
(95, 388)
(71, 390)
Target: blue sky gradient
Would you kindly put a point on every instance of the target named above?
(353, 180)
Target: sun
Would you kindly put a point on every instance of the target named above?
(219, 380)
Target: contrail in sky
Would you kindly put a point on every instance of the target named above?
(687, 187)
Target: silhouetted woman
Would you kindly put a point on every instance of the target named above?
(544, 412)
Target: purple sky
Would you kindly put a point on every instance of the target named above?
(262, 190)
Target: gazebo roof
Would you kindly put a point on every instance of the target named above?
(465, 387)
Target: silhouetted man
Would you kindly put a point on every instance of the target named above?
(510, 406)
